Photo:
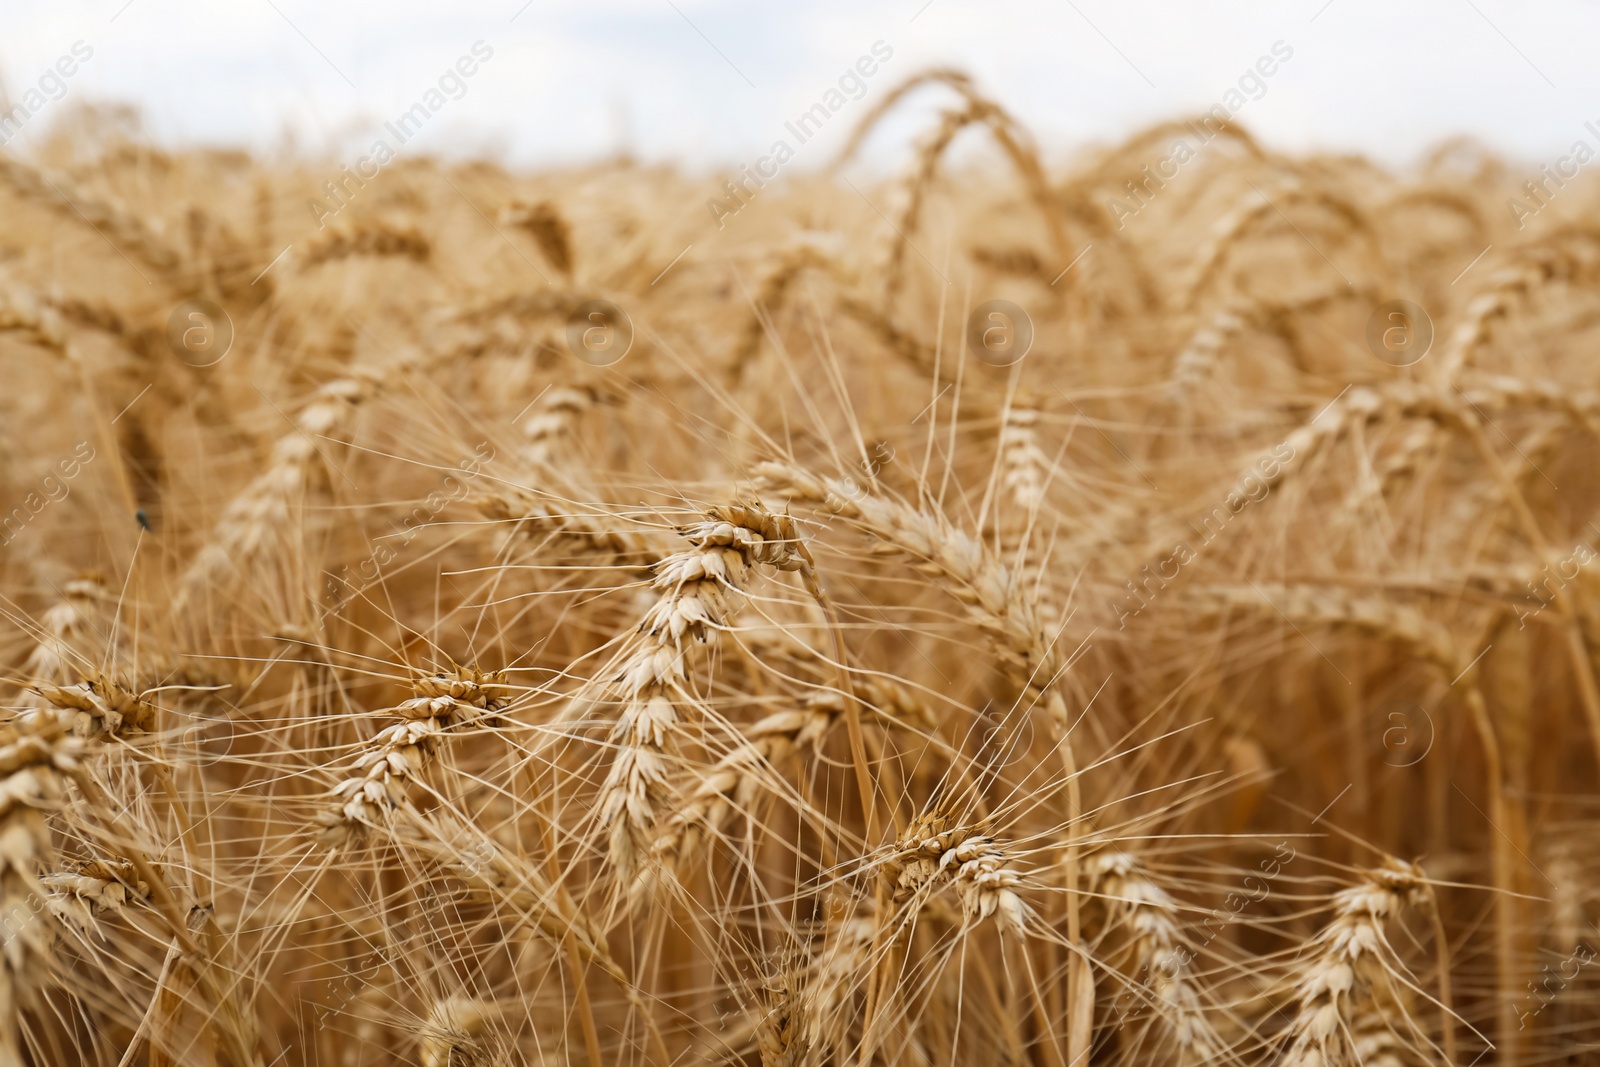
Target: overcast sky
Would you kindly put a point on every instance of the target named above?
(713, 82)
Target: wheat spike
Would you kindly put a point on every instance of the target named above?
(698, 589)
(1349, 961)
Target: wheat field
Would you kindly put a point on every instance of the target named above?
(1015, 611)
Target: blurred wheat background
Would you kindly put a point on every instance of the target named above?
(1111, 611)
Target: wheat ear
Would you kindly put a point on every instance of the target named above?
(37, 753)
(92, 888)
(462, 1031)
(1571, 254)
(698, 592)
(1148, 918)
(1010, 616)
(23, 312)
(935, 854)
(397, 754)
(258, 515)
(100, 707)
(543, 222)
(1346, 961)
(127, 231)
(367, 237)
(68, 631)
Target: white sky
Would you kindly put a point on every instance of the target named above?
(713, 82)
